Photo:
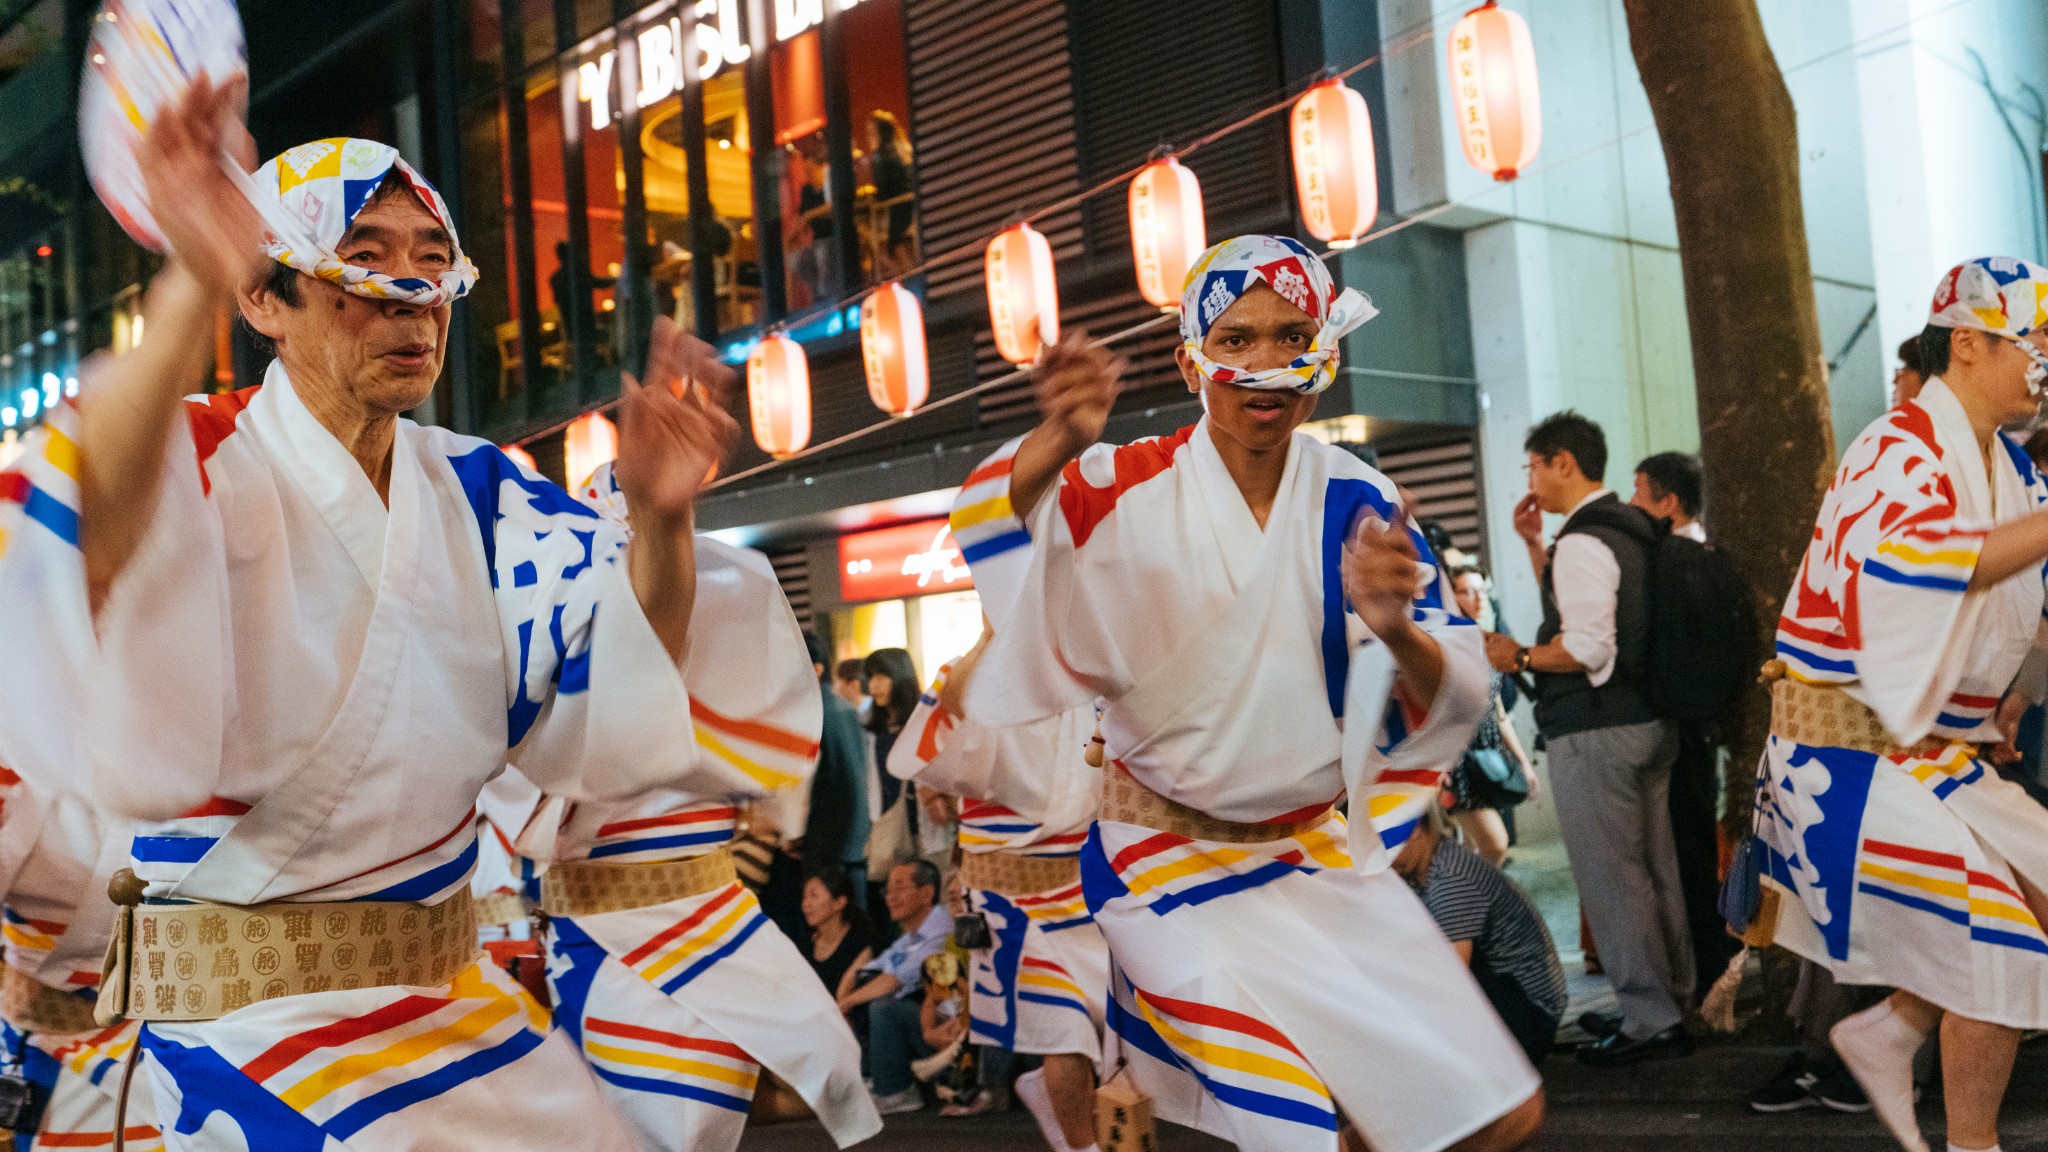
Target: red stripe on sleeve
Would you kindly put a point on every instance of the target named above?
(1086, 506)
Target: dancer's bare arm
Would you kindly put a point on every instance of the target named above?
(1076, 383)
(128, 410)
(672, 431)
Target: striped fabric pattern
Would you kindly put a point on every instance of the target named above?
(1170, 871)
(1242, 1060)
(40, 489)
(1944, 885)
(686, 830)
(80, 1074)
(163, 852)
(989, 827)
(338, 1078)
(992, 537)
(707, 1069)
(772, 757)
(713, 928)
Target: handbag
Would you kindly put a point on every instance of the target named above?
(1505, 781)
(1750, 909)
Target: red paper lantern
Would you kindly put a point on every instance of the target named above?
(589, 441)
(1167, 229)
(521, 457)
(779, 395)
(1493, 86)
(1336, 175)
(1023, 296)
(892, 349)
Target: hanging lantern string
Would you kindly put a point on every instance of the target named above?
(1422, 31)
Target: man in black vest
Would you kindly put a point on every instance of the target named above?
(1610, 756)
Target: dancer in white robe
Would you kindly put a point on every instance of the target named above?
(1899, 856)
(681, 998)
(1027, 797)
(56, 856)
(313, 631)
(1234, 593)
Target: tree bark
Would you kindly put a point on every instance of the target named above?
(1767, 448)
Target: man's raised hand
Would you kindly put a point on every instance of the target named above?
(1381, 571)
(674, 429)
(213, 230)
(1076, 383)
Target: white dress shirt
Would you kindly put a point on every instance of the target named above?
(1586, 579)
(1693, 530)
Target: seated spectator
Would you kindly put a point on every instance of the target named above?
(1494, 928)
(841, 937)
(890, 985)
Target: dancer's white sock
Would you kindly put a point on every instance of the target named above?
(1037, 1098)
(1878, 1046)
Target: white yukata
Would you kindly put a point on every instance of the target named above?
(680, 1006)
(1261, 989)
(1903, 870)
(1026, 791)
(298, 694)
(56, 856)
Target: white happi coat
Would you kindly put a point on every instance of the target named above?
(680, 1006)
(1042, 986)
(1261, 988)
(298, 693)
(1903, 870)
(56, 856)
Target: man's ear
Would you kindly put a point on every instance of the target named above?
(1188, 371)
(262, 308)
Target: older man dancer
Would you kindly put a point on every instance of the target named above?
(1898, 856)
(1234, 593)
(314, 630)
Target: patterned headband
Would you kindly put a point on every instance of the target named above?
(1223, 274)
(322, 187)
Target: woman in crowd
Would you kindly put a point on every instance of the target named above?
(841, 937)
(1494, 774)
(892, 687)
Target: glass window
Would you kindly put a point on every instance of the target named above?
(604, 199)
(810, 275)
(728, 152)
(665, 179)
(486, 218)
(551, 255)
(878, 97)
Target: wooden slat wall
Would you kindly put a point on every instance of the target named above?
(1445, 480)
(793, 571)
(992, 113)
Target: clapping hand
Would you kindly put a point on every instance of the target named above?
(212, 229)
(674, 429)
(1381, 571)
(1076, 383)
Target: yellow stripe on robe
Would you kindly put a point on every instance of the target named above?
(759, 773)
(700, 1068)
(1953, 557)
(1152, 878)
(350, 1069)
(701, 939)
(1954, 888)
(1235, 1059)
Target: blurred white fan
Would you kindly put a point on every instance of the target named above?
(143, 56)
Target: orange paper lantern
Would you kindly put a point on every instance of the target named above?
(1167, 230)
(779, 395)
(1023, 296)
(892, 349)
(589, 441)
(521, 457)
(1493, 86)
(1336, 175)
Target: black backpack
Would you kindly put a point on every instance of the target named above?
(1702, 630)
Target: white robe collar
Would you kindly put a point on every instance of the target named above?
(1238, 534)
(327, 474)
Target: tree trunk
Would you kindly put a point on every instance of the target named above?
(1731, 143)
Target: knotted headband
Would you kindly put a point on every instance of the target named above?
(2003, 295)
(1225, 272)
(322, 187)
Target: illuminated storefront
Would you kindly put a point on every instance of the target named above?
(725, 163)
(904, 587)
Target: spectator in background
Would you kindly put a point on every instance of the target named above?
(850, 683)
(1911, 374)
(1494, 774)
(1495, 930)
(835, 835)
(1610, 756)
(890, 171)
(841, 939)
(889, 985)
(892, 686)
(1668, 486)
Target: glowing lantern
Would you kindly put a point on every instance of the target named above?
(522, 457)
(892, 348)
(589, 441)
(1336, 175)
(1167, 230)
(1493, 82)
(1023, 296)
(779, 395)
